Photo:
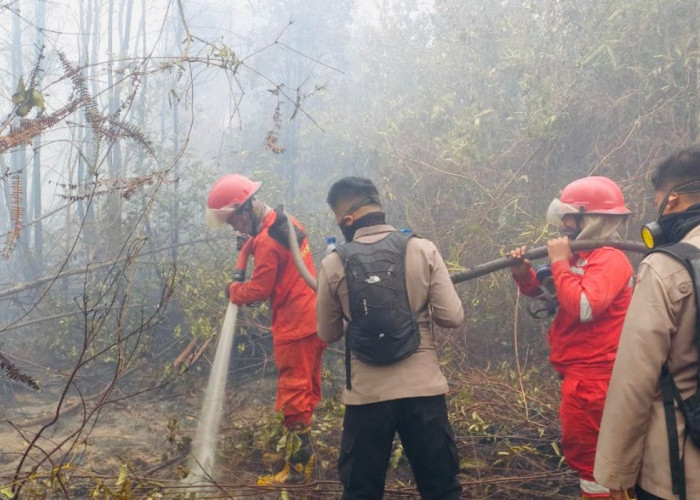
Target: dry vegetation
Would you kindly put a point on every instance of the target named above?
(470, 117)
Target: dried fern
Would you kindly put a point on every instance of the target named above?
(271, 138)
(92, 113)
(271, 143)
(126, 187)
(15, 218)
(119, 129)
(28, 129)
(108, 126)
(13, 373)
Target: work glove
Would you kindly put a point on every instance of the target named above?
(241, 238)
(238, 277)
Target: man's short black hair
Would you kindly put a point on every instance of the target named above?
(682, 167)
(352, 188)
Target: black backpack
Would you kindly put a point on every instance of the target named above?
(689, 256)
(382, 329)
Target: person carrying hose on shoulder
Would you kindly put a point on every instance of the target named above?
(593, 291)
(275, 277)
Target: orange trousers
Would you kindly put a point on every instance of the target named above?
(581, 410)
(298, 378)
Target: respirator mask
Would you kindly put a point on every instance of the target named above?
(671, 228)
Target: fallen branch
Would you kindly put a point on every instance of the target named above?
(186, 352)
(198, 354)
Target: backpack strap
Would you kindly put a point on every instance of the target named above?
(677, 464)
(342, 252)
(689, 256)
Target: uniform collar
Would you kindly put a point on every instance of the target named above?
(376, 229)
(692, 233)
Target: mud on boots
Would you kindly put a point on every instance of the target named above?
(298, 458)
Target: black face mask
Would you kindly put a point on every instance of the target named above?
(348, 231)
(676, 225)
(371, 219)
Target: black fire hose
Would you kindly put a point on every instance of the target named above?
(540, 252)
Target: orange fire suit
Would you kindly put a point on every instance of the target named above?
(594, 290)
(293, 303)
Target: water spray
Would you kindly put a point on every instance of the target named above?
(203, 459)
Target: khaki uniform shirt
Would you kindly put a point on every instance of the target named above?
(427, 281)
(659, 327)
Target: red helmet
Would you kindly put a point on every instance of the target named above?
(590, 195)
(228, 194)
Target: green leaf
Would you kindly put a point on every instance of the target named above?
(19, 94)
(7, 493)
(37, 99)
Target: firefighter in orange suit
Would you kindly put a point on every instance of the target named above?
(593, 290)
(275, 277)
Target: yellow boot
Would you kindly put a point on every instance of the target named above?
(298, 460)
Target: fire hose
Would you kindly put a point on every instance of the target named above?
(189, 356)
(247, 249)
(487, 267)
(296, 255)
(475, 272)
(541, 252)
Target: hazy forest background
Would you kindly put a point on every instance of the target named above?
(470, 115)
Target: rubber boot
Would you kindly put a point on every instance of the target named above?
(299, 460)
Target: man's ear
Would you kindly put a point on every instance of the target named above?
(672, 202)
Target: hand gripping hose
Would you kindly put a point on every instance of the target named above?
(540, 252)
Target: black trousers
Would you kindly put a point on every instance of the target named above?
(645, 495)
(427, 439)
